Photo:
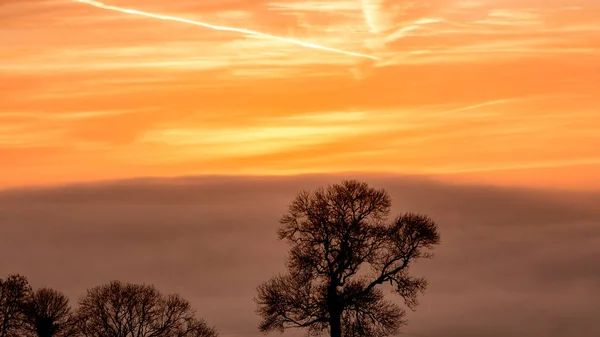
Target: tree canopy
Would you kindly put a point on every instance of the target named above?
(14, 293)
(342, 249)
(47, 313)
(136, 310)
(113, 310)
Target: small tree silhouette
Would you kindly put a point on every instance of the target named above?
(48, 314)
(14, 292)
(342, 249)
(133, 310)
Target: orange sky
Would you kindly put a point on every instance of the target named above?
(503, 91)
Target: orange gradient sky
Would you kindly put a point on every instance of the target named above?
(497, 91)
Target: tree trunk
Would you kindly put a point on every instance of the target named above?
(335, 322)
(335, 311)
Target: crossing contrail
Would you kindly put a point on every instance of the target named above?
(99, 4)
(368, 10)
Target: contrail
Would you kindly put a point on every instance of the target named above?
(223, 28)
(367, 9)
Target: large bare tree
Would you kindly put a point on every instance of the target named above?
(133, 310)
(48, 314)
(14, 292)
(343, 249)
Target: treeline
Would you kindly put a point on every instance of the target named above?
(333, 233)
(113, 310)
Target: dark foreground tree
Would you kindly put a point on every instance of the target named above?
(14, 292)
(132, 310)
(342, 250)
(48, 314)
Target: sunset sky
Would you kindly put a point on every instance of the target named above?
(160, 141)
(494, 91)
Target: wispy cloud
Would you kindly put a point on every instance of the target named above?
(25, 115)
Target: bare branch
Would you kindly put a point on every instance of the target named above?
(132, 310)
(14, 292)
(333, 233)
(48, 314)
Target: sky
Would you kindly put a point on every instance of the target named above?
(500, 92)
(512, 262)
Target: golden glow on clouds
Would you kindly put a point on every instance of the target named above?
(497, 90)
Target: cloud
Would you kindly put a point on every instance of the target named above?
(513, 262)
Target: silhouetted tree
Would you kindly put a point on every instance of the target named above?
(132, 310)
(342, 250)
(48, 314)
(14, 291)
